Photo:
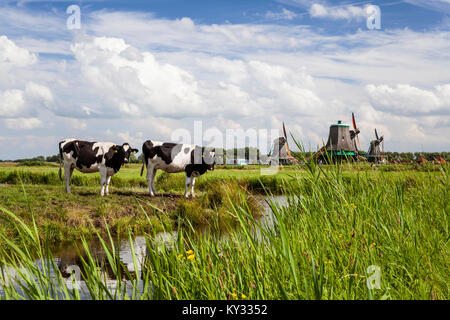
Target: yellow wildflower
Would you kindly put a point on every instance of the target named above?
(191, 257)
(180, 255)
(234, 294)
(243, 296)
(189, 252)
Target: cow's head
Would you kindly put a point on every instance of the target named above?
(124, 151)
(209, 158)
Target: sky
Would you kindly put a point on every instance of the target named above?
(154, 69)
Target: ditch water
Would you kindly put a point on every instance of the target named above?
(67, 259)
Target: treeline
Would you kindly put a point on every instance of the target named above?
(55, 158)
(429, 156)
(395, 156)
(249, 154)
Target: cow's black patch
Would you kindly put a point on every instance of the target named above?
(198, 163)
(167, 151)
(83, 153)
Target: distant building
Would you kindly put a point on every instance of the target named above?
(237, 162)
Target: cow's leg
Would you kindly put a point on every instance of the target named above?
(153, 181)
(187, 183)
(192, 187)
(108, 180)
(103, 177)
(68, 170)
(150, 179)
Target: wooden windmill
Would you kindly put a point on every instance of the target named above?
(281, 153)
(341, 143)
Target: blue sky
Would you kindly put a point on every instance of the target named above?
(417, 15)
(140, 70)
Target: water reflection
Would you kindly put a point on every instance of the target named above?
(69, 262)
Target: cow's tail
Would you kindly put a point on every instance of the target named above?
(144, 156)
(144, 161)
(60, 160)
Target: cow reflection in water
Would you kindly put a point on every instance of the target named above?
(70, 261)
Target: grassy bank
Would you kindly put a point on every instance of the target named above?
(83, 213)
(129, 177)
(329, 241)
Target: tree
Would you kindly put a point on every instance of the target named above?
(54, 158)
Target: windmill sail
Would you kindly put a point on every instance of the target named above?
(287, 143)
(356, 130)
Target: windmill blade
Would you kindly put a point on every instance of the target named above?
(287, 144)
(354, 127)
(376, 134)
(284, 132)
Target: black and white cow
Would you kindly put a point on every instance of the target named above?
(172, 158)
(88, 157)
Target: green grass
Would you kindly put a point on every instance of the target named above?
(337, 224)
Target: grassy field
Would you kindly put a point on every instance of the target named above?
(341, 225)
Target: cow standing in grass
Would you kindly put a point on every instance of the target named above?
(88, 157)
(172, 158)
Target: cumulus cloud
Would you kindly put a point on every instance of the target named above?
(16, 103)
(134, 82)
(11, 54)
(12, 103)
(408, 100)
(119, 81)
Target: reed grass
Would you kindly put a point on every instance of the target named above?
(323, 245)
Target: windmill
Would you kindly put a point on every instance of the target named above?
(375, 152)
(341, 143)
(281, 154)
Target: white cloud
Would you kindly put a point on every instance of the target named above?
(339, 12)
(16, 103)
(23, 123)
(285, 14)
(77, 123)
(11, 54)
(37, 92)
(133, 82)
(155, 75)
(12, 103)
(408, 100)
